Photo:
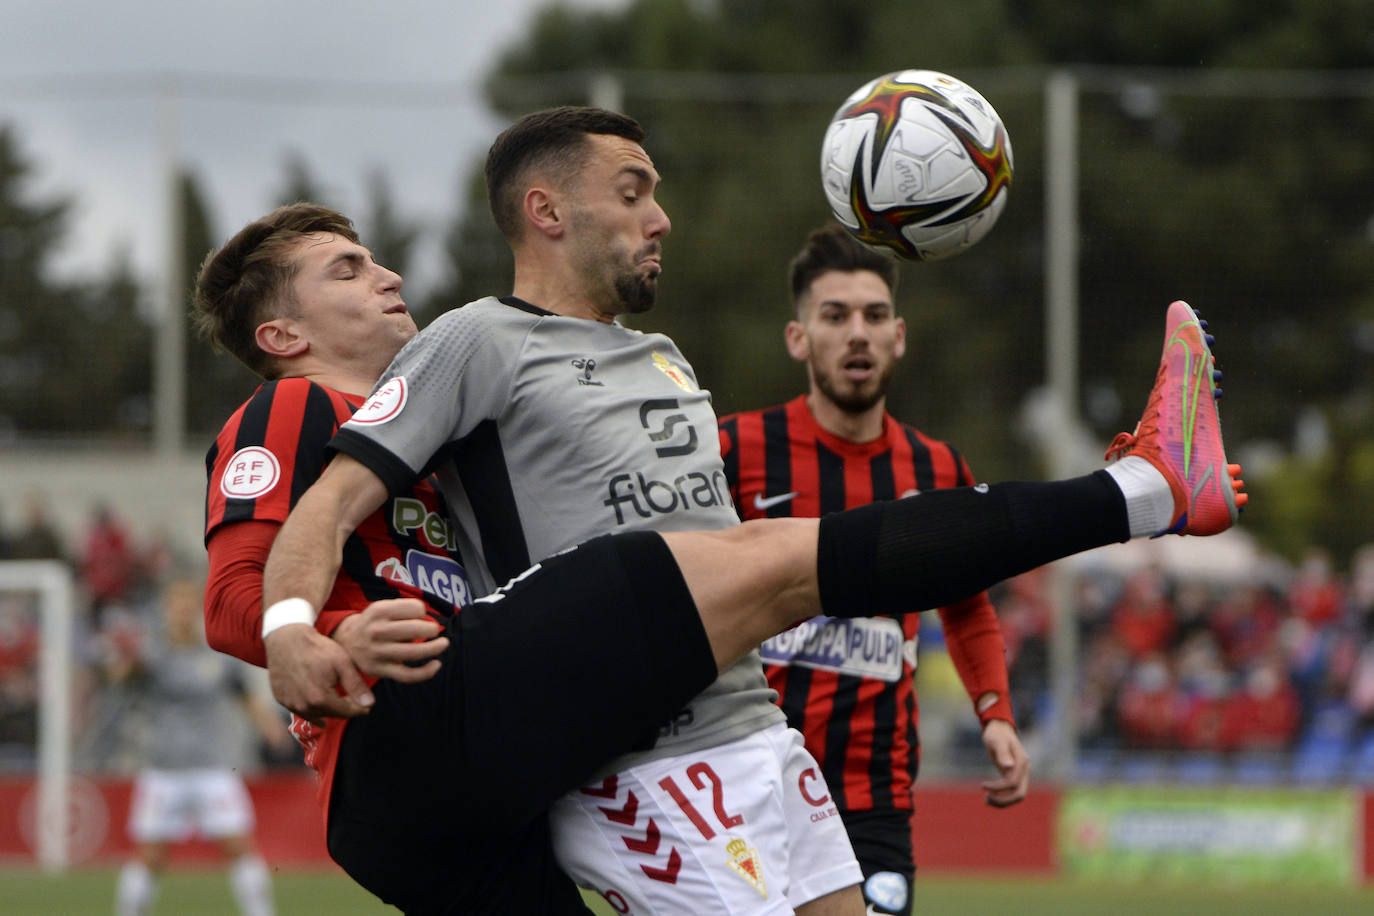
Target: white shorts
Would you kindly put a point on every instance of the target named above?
(168, 806)
(744, 828)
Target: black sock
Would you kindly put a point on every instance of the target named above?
(942, 546)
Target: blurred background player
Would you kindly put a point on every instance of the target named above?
(834, 448)
(188, 786)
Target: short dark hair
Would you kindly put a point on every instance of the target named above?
(554, 139)
(247, 281)
(831, 247)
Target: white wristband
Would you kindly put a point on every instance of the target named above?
(285, 612)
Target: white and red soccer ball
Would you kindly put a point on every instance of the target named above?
(917, 163)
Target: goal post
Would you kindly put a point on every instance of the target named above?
(51, 582)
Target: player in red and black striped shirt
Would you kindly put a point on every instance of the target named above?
(847, 685)
(319, 370)
(267, 454)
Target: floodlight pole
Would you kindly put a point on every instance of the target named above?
(605, 90)
(1061, 370)
(169, 355)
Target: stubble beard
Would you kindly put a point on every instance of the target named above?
(635, 292)
(852, 400)
(629, 291)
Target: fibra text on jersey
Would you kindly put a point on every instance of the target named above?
(647, 496)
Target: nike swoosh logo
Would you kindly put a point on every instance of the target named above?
(1193, 378)
(761, 504)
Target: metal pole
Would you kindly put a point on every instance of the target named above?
(1061, 369)
(604, 90)
(52, 820)
(169, 358)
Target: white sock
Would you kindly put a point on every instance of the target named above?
(135, 890)
(252, 886)
(1149, 501)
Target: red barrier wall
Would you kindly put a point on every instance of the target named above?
(290, 831)
(955, 831)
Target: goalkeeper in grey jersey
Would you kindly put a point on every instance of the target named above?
(188, 786)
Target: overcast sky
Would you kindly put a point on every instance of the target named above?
(259, 79)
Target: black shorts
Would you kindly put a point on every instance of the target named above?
(439, 796)
(882, 844)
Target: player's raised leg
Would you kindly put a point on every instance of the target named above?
(943, 545)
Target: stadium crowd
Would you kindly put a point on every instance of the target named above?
(1266, 680)
(1271, 679)
(119, 581)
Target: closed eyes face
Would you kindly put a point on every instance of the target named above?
(349, 306)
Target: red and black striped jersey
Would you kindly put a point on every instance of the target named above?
(264, 459)
(274, 447)
(847, 685)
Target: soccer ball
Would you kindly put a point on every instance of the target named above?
(916, 162)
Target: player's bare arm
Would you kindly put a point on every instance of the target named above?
(1005, 750)
(307, 669)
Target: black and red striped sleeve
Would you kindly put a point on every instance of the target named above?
(271, 451)
(268, 453)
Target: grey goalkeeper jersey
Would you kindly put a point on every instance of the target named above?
(544, 432)
(189, 692)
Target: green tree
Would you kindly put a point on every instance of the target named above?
(1247, 196)
(477, 261)
(216, 383)
(299, 183)
(391, 236)
(73, 357)
(29, 233)
(107, 354)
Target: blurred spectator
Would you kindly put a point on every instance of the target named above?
(1151, 709)
(1025, 617)
(1247, 623)
(18, 637)
(1204, 715)
(109, 717)
(1105, 668)
(37, 538)
(1316, 594)
(107, 560)
(1144, 619)
(18, 680)
(1361, 694)
(1264, 716)
(1192, 603)
(1205, 686)
(156, 561)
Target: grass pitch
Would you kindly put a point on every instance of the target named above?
(90, 892)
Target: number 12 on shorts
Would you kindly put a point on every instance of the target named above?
(700, 774)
